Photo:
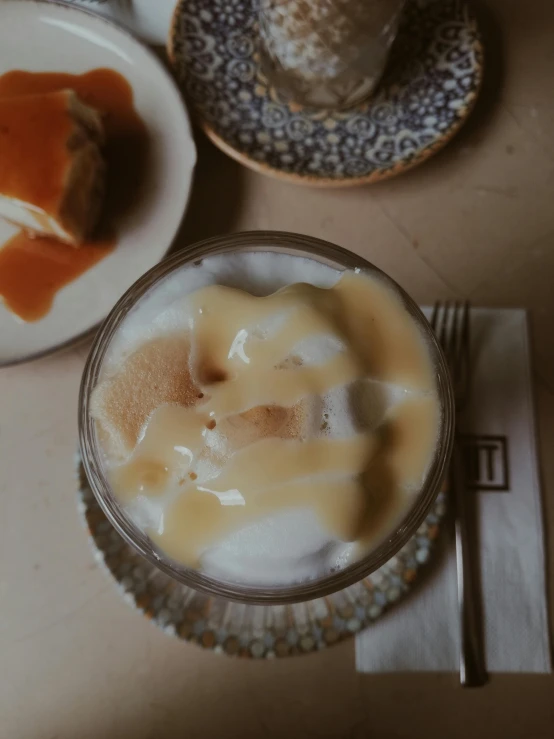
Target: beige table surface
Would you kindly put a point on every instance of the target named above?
(475, 222)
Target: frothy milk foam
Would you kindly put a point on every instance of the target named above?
(267, 441)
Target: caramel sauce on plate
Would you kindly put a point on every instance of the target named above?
(34, 269)
(33, 168)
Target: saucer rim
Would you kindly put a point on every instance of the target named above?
(379, 175)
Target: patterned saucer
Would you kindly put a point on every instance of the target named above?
(253, 631)
(430, 87)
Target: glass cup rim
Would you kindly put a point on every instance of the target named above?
(414, 516)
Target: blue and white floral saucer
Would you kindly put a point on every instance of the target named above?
(428, 90)
(254, 631)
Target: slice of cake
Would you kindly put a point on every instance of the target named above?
(51, 168)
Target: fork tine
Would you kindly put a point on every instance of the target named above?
(466, 330)
(435, 316)
(442, 329)
(462, 354)
(450, 322)
(454, 336)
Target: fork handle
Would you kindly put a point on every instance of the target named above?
(472, 660)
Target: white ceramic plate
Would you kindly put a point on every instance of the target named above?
(42, 36)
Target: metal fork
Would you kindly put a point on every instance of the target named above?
(451, 324)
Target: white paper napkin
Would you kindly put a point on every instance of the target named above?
(422, 633)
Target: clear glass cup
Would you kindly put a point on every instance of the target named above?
(326, 53)
(295, 245)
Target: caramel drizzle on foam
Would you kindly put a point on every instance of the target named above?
(242, 379)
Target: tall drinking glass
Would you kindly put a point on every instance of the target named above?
(93, 456)
(326, 53)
